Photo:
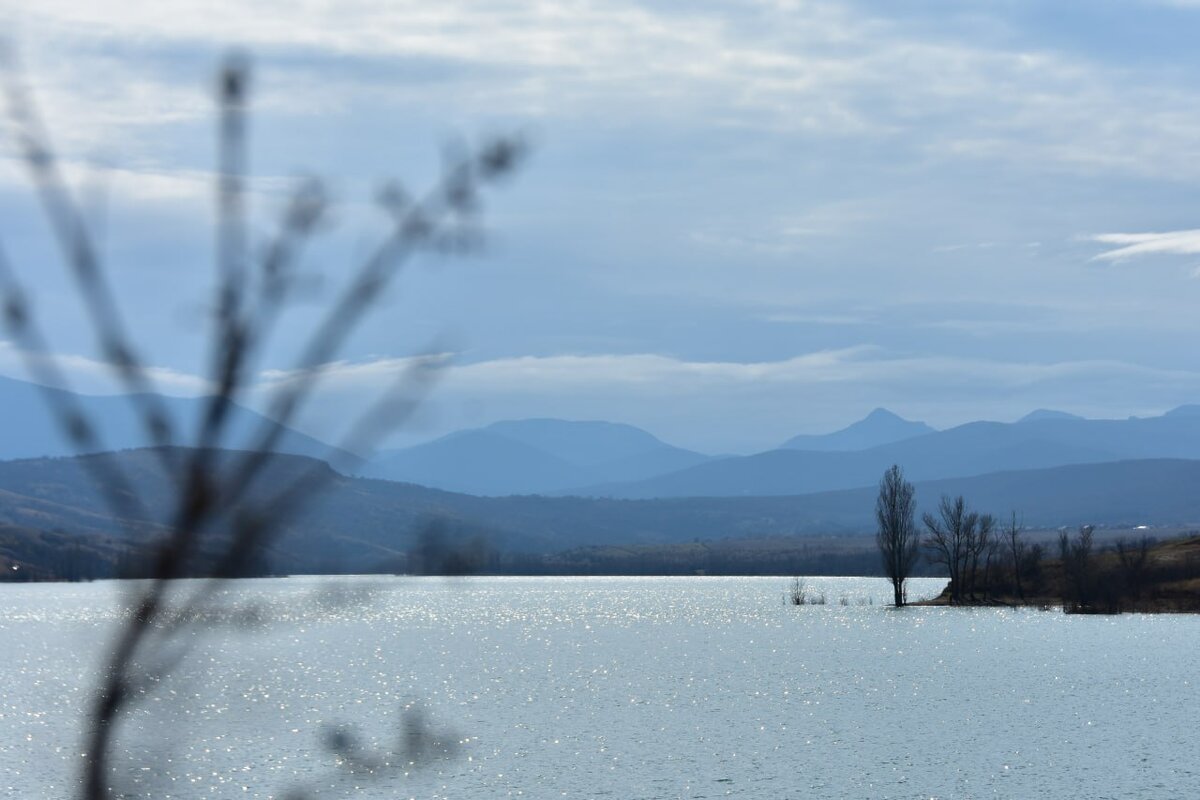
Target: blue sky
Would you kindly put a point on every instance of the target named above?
(741, 220)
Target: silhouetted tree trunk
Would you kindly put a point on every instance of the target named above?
(1078, 569)
(897, 535)
(1132, 558)
(949, 534)
(978, 541)
(1016, 551)
(993, 547)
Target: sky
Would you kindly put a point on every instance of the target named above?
(739, 221)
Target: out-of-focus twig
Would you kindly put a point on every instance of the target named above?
(81, 257)
(218, 523)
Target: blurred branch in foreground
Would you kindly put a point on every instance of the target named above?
(218, 525)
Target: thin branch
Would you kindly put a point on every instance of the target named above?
(64, 405)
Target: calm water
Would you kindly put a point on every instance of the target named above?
(623, 688)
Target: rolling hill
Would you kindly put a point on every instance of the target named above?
(976, 448)
(877, 428)
(533, 456)
(360, 524)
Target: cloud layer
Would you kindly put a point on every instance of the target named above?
(742, 221)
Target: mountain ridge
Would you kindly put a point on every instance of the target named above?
(532, 456)
(878, 427)
(975, 448)
(361, 524)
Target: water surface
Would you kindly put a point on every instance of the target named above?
(618, 687)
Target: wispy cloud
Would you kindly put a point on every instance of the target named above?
(860, 365)
(88, 375)
(816, 68)
(715, 405)
(802, 318)
(730, 405)
(864, 170)
(1132, 245)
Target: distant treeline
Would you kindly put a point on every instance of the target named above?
(32, 555)
(729, 557)
(1099, 575)
(1083, 577)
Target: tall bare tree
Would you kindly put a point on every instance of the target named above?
(949, 534)
(1078, 568)
(979, 544)
(1132, 557)
(1016, 552)
(897, 534)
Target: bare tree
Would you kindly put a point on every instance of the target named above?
(979, 543)
(1132, 557)
(220, 522)
(1078, 569)
(1031, 567)
(1016, 551)
(991, 555)
(897, 537)
(947, 541)
(797, 592)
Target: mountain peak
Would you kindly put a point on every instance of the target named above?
(1189, 410)
(533, 456)
(877, 428)
(1047, 413)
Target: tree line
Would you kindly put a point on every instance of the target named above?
(988, 561)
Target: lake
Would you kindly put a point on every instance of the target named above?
(615, 687)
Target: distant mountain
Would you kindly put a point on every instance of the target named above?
(973, 449)
(359, 524)
(1115, 494)
(587, 443)
(31, 432)
(877, 428)
(533, 456)
(477, 462)
(1045, 413)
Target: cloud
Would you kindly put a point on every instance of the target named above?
(791, 318)
(742, 406)
(864, 364)
(700, 170)
(711, 405)
(87, 375)
(1133, 245)
(816, 68)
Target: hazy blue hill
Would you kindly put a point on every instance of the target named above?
(533, 456)
(973, 449)
(1114, 494)
(479, 462)
(1040, 414)
(29, 431)
(1153, 491)
(611, 451)
(586, 443)
(359, 524)
(659, 461)
(787, 472)
(879, 427)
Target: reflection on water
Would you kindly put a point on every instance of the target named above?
(619, 687)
